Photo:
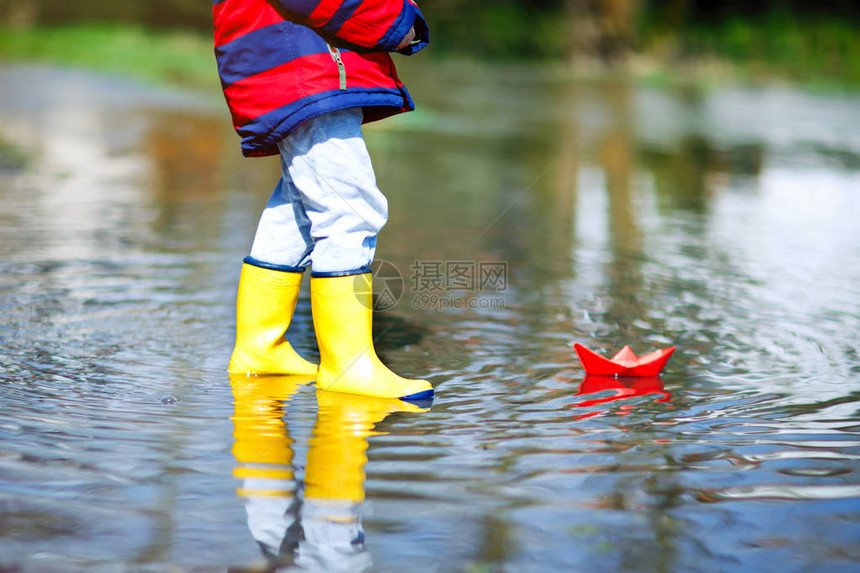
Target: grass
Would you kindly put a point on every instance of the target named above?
(816, 52)
(179, 58)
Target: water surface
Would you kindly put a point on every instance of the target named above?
(722, 221)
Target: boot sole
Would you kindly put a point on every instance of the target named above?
(423, 395)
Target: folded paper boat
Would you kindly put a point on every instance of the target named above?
(625, 363)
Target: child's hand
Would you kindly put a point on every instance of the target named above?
(406, 39)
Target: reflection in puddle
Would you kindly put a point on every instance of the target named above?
(314, 523)
(619, 389)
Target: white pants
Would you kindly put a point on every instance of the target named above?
(326, 210)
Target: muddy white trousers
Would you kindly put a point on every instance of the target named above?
(326, 209)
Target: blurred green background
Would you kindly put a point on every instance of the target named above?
(809, 41)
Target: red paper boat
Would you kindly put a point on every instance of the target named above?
(625, 363)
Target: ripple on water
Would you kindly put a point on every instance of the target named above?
(120, 434)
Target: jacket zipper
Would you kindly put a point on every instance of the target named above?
(341, 69)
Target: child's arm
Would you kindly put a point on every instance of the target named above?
(375, 24)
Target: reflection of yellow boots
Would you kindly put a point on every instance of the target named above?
(337, 455)
(263, 447)
(264, 459)
(264, 309)
(343, 315)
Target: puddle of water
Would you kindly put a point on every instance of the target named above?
(723, 222)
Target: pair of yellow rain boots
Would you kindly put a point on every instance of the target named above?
(343, 316)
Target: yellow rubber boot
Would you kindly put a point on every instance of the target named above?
(338, 445)
(264, 309)
(343, 316)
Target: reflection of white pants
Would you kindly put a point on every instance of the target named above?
(326, 209)
(313, 535)
(269, 520)
(333, 538)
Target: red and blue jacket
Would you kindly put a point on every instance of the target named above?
(283, 62)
